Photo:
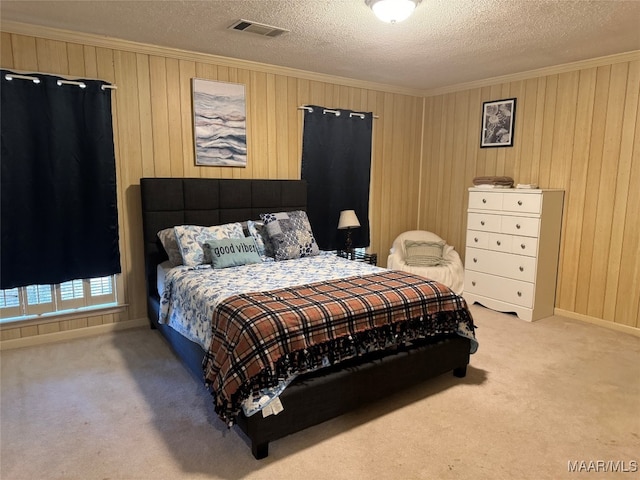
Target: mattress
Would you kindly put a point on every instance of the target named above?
(189, 295)
(162, 271)
(261, 339)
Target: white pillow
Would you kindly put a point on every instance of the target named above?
(191, 239)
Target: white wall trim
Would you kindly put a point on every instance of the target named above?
(599, 322)
(71, 334)
(55, 317)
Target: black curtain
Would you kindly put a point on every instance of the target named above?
(336, 163)
(59, 218)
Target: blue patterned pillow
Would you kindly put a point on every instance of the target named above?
(191, 239)
(232, 252)
(290, 234)
(259, 233)
(170, 243)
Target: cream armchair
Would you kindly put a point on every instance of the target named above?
(450, 272)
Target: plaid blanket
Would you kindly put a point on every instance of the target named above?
(260, 339)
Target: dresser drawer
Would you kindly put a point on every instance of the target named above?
(526, 226)
(477, 238)
(484, 221)
(524, 246)
(485, 200)
(500, 242)
(499, 288)
(507, 265)
(503, 242)
(522, 202)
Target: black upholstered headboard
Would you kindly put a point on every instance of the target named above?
(167, 202)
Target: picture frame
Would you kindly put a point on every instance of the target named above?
(498, 123)
(219, 123)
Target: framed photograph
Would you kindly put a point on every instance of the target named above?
(219, 123)
(498, 122)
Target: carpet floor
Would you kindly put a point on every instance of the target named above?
(552, 399)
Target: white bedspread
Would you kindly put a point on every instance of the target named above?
(191, 293)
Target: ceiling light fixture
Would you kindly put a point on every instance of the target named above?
(393, 11)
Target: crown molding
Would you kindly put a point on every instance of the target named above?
(540, 72)
(148, 49)
(178, 54)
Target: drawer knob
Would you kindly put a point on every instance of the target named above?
(519, 294)
(475, 260)
(475, 239)
(499, 242)
(518, 226)
(473, 283)
(520, 202)
(523, 246)
(522, 269)
(484, 200)
(482, 222)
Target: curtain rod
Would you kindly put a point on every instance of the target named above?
(11, 76)
(335, 112)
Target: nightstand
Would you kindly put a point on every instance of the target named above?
(359, 256)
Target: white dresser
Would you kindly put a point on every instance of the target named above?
(513, 242)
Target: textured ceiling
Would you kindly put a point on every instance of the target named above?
(445, 42)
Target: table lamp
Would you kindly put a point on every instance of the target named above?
(348, 221)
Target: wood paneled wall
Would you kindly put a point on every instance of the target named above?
(578, 131)
(152, 115)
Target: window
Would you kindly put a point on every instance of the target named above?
(32, 300)
(58, 132)
(336, 163)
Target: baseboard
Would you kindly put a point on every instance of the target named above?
(72, 334)
(141, 322)
(599, 322)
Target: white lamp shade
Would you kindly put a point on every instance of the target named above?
(393, 11)
(348, 219)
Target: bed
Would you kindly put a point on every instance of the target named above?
(306, 382)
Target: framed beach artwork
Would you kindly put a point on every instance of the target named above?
(219, 123)
(498, 121)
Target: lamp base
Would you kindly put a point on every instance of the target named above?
(348, 242)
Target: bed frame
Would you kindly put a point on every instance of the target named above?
(311, 398)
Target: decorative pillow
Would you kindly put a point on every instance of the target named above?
(258, 231)
(423, 254)
(290, 234)
(170, 243)
(191, 238)
(233, 252)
